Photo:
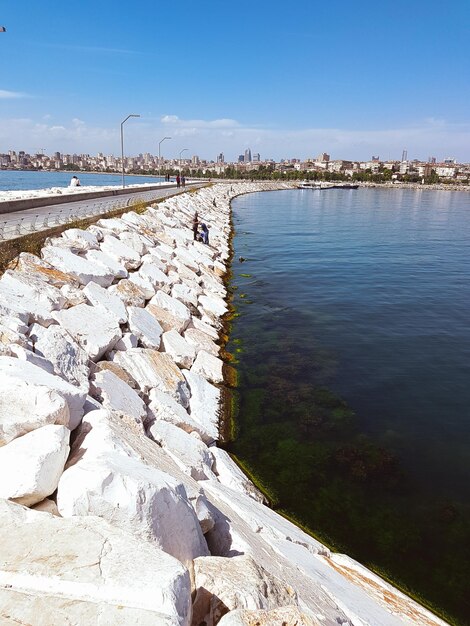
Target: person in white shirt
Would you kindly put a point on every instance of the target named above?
(75, 182)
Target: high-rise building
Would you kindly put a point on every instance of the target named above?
(220, 158)
(241, 158)
(256, 158)
(404, 155)
(323, 157)
(247, 158)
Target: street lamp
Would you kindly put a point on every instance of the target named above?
(122, 144)
(159, 164)
(181, 152)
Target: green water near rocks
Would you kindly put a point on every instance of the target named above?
(341, 472)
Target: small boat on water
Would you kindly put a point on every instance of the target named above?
(320, 185)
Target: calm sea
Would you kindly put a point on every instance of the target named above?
(18, 180)
(353, 350)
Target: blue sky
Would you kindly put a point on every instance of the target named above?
(286, 79)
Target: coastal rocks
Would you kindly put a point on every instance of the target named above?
(25, 407)
(81, 269)
(116, 395)
(286, 615)
(18, 370)
(180, 350)
(106, 478)
(145, 327)
(208, 366)
(204, 403)
(152, 369)
(91, 327)
(121, 252)
(112, 304)
(83, 571)
(40, 457)
(224, 585)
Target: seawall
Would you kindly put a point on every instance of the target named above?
(117, 506)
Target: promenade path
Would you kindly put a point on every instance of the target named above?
(18, 223)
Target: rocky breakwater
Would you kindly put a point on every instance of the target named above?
(116, 505)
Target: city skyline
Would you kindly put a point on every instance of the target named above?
(350, 80)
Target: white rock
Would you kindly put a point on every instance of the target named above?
(152, 369)
(286, 615)
(25, 354)
(107, 262)
(23, 306)
(25, 407)
(81, 269)
(204, 403)
(201, 341)
(33, 289)
(68, 359)
(189, 452)
(178, 348)
(152, 273)
(174, 306)
(118, 250)
(230, 475)
(105, 479)
(113, 393)
(151, 261)
(137, 242)
(127, 342)
(83, 571)
(205, 328)
(213, 306)
(11, 368)
(145, 327)
(31, 465)
(235, 583)
(208, 366)
(185, 294)
(111, 303)
(91, 327)
(144, 284)
(84, 237)
(167, 320)
(74, 295)
(129, 292)
(164, 407)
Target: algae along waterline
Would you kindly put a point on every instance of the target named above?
(352, 345)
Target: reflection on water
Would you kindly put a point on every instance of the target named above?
(353, 349)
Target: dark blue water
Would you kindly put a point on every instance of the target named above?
(19, 180)
(365, 293)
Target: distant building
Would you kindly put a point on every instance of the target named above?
(241, 158)
(220, 158)
(404, 155)
(256, 158)
(247, 158)
(323, 157)
(375, 159)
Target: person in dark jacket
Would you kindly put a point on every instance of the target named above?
(195, 225)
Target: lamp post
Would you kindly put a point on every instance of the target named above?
(181, 152)
(122, 144)
(159, 164)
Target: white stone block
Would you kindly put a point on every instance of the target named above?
(107, 262)
(91, 327)
(145, 327)
(130, 293)
(31, 465)
(201, 341)
(178, 348)
(111, 303)
(113, 393)
(118, 250)
(208, 366)
(174, 306)
(204, 402)
(81, 269)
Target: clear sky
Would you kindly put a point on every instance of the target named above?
(286, 79)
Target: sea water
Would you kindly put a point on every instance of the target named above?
(352, 343)
(14, 180)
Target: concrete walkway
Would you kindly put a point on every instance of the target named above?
(18, 223)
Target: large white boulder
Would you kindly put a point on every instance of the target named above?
(204, 402)
(167, 320)
(31, 465)
(68, 359)
(225, 584)
(81, 269)
(188, 450)
(286, 615)
(212, 307)
(107, 262)
(25, 407)
(129, 292)
(19, 370)
(230, 475)
(33, 289)
(174, 306)
(164, 407)
(120, 251)
(145, 327)
(92, 328)
(111, 303)
(152, 369)
(182, 352)
(87, 239)
(113, 393)
(106, 476)
(201, 341)
(83, 571)
(208, 366)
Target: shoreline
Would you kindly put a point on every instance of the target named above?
(145, 407)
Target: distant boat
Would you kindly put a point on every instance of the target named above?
(319, 185)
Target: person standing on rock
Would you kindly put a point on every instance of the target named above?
(178, 180)
(195, 225)
(204, 234)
